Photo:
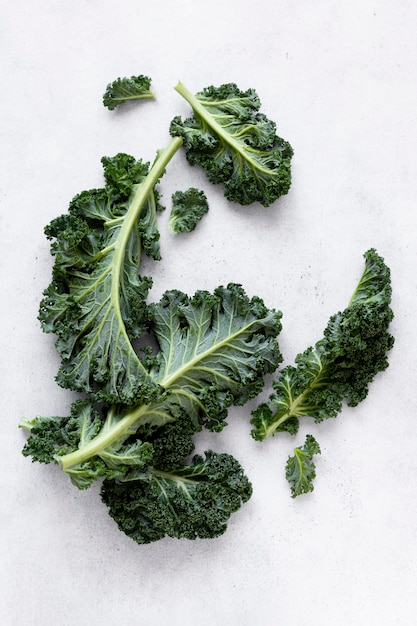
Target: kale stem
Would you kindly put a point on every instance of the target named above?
(106, 437)
(137, 203)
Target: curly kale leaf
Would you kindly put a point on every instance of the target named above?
(341, 365)
(96, 303)
(125, 89)
(235, 144)
(300, 470)
(215, 350)
(188, 208)
(189, 502)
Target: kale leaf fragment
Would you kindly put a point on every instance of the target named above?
(188, 208)
(125, 89)
(300, 470)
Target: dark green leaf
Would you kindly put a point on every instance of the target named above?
(300, 470)
(193, 501)
(125, 89)
(235, 144)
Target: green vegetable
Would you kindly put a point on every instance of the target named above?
(195, 500)
(153, 375)
(95, 303)
(341, 365)
(235, 144)
(124, 89)
(300, 470)
(188, 208)
(214, 351)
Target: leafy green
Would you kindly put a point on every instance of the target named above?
(192, 501)
(300, 470)
(153, 375)
(188, 208)
(95, 303)
(235, 144)
(214, 351)
(341, 365)
(125, 89)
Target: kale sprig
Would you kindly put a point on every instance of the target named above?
(300, 470)
(96, 302)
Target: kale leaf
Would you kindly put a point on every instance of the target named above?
(96, 302)
(192, 501)
(188, 208)
(341, 365)
(125, 89)
(300, 470)
(235, 144)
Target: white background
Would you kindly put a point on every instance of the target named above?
(340, 81)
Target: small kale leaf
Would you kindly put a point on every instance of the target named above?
(188, 208)
(300, 470)
(125, 89)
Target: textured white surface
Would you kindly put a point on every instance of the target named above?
(340, 80)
